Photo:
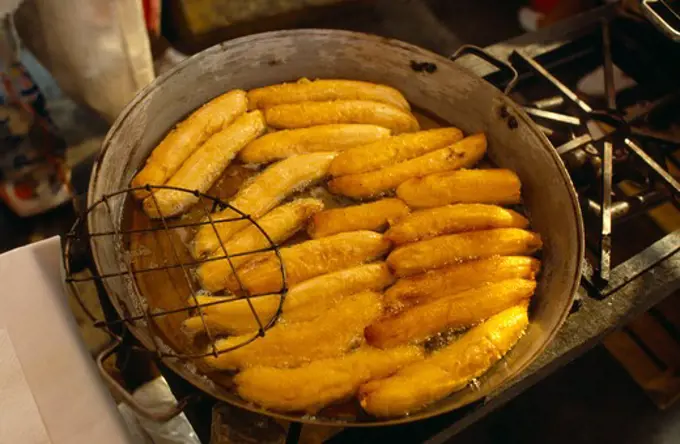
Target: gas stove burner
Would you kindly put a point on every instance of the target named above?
(605, 145)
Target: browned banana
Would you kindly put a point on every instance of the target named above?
(463, 154)
(286, 143)
(323, 90)
(392, 150)
(291, 345)
(459, 310)
(205, 165)
(305, 114)
(304, 302)
(187, 136)
(261, 195)
(425, 224)
(439, 251)
(458, 278)
(313, 386)
(373, 216)
(279, 224)
(450, 369)
(474, 186)
(309, 259)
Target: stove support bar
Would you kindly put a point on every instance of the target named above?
(606, 213)
(541, 71)
(666, 178)
(609, 86)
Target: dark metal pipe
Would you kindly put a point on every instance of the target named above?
(632, 206)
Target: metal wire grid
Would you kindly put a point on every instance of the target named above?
(79, 237)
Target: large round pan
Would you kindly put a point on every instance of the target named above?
(449, 92)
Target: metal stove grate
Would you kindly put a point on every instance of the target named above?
(607, 155)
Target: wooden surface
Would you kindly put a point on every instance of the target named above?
(648, 348)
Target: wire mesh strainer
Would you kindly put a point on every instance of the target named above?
(127, 297)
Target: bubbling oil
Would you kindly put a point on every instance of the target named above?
(171, 288)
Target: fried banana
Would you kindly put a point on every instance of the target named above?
(447, 370)
(291, 345)
(496, 186)
(461, 154)
(309, 259)
(458, 310)
(204, 166)
(187, 136)
(262, 194)
(437, 252)
(450, 219)
(280, 224)
(231, 316)
(395, 149)
(459, 277)
(304, 114)
(286, 143)
(311, 298)
(314, 386)
(323, 90)
(373, 216)
(304, 302)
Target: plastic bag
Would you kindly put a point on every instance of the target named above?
(97, 50)
(156, 396)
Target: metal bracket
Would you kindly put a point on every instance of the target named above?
(157, 416)
(656, 18)
(487, 57)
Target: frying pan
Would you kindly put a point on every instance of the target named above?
(430, 82)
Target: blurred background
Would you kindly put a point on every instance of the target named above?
(69, 71)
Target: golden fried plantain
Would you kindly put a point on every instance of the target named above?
(437, 252)
(309, 259)
(425, 224)
(373, 216)
(311, 298)
(312, 387)
(323, 90)
(461, 154)
(459, 277)
(495, 186)
(260, 195)
(187, 136)
(304, 302)
(231, 316)
(456, 311)
(291, 345)
(447, 370)
(279, 224)
(286, 143)
(376, 155)
(204, 166)
(304, 114)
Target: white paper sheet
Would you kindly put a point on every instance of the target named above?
(20, 420)
(74, 405)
